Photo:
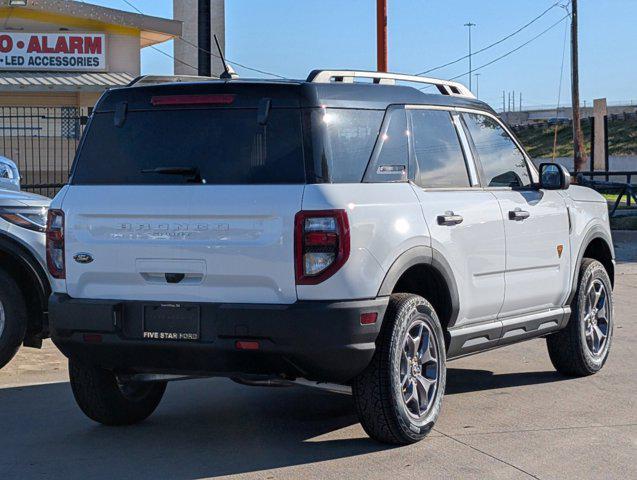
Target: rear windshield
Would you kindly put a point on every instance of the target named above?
(224, 146)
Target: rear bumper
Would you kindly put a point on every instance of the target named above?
(317, 340)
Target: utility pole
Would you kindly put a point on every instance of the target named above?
(520, 109)
(470, 25)
(503, 104)
(477, 75)
(578, 137)
(203, 38)
(381, 35)
(513, 100)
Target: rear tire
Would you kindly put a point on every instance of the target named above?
(582, 347)
(13, 318)
(397, 397)
(103, 399)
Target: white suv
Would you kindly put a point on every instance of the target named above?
(24, 283)
(329, 231)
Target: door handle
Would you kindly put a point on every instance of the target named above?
(449, 218)
(518, 214)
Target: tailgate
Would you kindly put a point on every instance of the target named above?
(205, 243)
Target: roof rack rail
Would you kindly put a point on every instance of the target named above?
(445, 87)
(156, 79)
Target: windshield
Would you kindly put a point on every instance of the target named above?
(223, 146)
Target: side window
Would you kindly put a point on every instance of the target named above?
(391, 155)
(343, 152)
(502, 161)
(441, 162)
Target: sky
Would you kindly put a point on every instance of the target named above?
(293, 37)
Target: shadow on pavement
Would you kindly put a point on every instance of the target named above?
(202, 429)
(461, 380)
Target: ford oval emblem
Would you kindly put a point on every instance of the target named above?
(83, 257)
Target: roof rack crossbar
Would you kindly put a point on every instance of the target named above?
(155, 79)
(445, 87)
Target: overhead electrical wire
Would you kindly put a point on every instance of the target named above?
(546, 30)
(492, 44)
(559, 92)
(264, 72)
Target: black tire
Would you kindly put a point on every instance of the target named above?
(104, 400)
(378, 391)
(568, 348)
(13, 318)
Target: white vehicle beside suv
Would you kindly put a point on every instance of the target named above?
(24, 283)
(325, 230)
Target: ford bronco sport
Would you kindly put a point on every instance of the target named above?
(349, 230)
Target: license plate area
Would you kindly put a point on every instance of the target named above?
(171, 322)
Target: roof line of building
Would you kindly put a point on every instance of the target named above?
(161, 29)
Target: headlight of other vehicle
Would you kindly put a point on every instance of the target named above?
(33, 218)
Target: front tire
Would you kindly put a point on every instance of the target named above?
(582, 348)
(399, 395)
(13, 318)
(105, 400)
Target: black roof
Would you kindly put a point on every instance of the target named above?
(289, 93)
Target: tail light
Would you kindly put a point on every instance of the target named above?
(321, 244)
(55, 243)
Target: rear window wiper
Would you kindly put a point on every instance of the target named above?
(192, 174)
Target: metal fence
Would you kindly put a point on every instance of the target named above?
(42, 141)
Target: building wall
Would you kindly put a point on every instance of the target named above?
(123, 43)
(186, 54)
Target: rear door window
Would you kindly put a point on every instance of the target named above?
(439, 156)
(503, 164)
(226, 146)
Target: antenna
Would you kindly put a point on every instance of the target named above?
(226, 75)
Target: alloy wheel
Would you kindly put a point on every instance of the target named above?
(419, 369)
(597, 318)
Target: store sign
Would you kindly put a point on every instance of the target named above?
(70, 52)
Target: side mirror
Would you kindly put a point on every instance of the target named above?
(554, 177)
(9, 175)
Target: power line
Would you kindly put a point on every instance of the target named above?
(230, 61)
(559, 91)
(264, 72)
(493, 44)
(515, 49)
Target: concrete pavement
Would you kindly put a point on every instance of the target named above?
(507, 414)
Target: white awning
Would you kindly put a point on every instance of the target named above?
(61, 82)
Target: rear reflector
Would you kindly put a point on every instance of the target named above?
(211, 99)
(369, 318)
(247, 345)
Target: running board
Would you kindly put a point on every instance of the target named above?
(470, 339)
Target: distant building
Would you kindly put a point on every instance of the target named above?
(60, 52)
(186, 50)
(544, 115)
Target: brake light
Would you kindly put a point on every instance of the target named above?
(321, 244)
(211, 99)
(55, 244)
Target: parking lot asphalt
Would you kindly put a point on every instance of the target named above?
(507, 414)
